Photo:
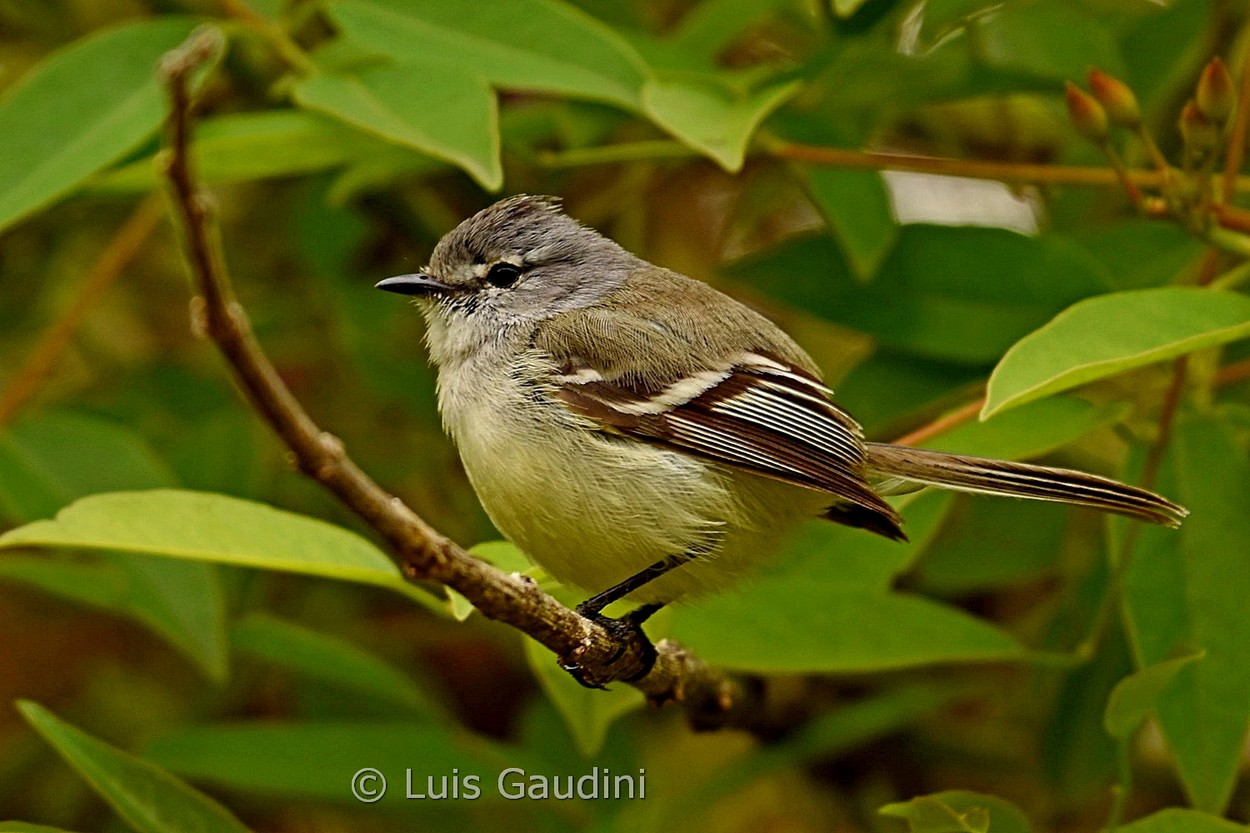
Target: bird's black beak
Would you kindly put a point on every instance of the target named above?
(415, 284)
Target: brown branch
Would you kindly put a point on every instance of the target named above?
(1237, 135)
(1226, 214)
(1167, 416)
(1149, 474)
(1013, 172)
(121, 250)
(942, 424)
(711, 698)
(1122, 173)
(1230, 374)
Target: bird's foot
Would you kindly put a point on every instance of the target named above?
(631, 641)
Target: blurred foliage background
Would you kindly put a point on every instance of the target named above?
(1009, 669)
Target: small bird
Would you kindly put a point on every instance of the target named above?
(639, 434)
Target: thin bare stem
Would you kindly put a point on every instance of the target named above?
(1167, 416)
(942, 424)
(121, 250)
(1231, 217)
(1122, 173)
(1150, 473)
(1230, 374)
(1011, 172)
(1237, 135)
(1156, 156)
(712, 698)
(1225, 239)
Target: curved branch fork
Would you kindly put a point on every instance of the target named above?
(712, 698)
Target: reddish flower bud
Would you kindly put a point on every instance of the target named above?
(1199, 133)
(1116, 97)
(1086, 113)
(1216, 96)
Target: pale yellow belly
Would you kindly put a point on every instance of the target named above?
(597, 514)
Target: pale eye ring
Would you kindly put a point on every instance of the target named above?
(503, 274)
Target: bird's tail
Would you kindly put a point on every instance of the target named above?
(999, 477)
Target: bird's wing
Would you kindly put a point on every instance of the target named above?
(756, 412)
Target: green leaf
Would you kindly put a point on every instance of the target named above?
(380, 171)
(536, 45)
(1138, 254)
(1031, 431)
(1111, 334)
(1134, 697)
(1077, 756)
(988, 543)
(1182, 820)
(24, 827)
(1056, 40)
(827, 607)
(587, 713)
(825, 736)
(100, 585)
(46, 462)
(503, 555)
(257, 757)
(863, 75)
(447, 112)
(819, 632)
(56, 456)
(328, 659)
(269, 8)
(68, 118)
(839, 558)
(940, 293)
(926, 814)
(712, 25)
(1189, 587)
(208, 527)
(941, 15)
(119, 585)
(889, 387)
(857, 208)
(711, 115)
(859, 722)
(147, 797)
(846, 8)
(239, 147)
(460, 607)
(959, 811)
(183, 602)
(224, 451)
(1157, 69)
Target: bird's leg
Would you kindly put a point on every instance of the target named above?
(592, 607)
(628, 628)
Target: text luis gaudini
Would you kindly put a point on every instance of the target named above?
(515, 783)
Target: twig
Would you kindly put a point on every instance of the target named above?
(1013, 172)
(1225, 213)
(1230, 374)
(1122, 173)
(643, 151)
(942, 424)
(712, 698)
(122, 249)
(1237, 135)
(1167, 416)
(1150, 473)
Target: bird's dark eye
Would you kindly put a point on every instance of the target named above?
(503, 274)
